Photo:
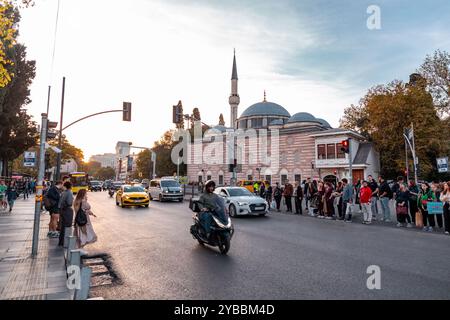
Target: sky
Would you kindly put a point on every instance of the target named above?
(309, 55)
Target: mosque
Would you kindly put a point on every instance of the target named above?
(308, 146)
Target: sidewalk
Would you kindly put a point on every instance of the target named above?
(24, 278)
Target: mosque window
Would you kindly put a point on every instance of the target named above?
(257, 123)
(321, 152)
(243, 124)
(331, 151)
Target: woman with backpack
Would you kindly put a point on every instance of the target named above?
(426, 195)
(83, 227)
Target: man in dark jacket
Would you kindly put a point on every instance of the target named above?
(298, 198)
(288, 193)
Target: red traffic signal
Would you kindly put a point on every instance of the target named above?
(345, 146)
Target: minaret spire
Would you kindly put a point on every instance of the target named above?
(234, 97)
(234, 75)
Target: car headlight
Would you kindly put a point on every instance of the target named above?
(243, 203)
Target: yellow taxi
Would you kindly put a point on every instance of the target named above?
(132, 196)
(249, 184)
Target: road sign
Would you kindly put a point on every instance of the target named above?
(29, 159)
(153, 157)
(442, 165)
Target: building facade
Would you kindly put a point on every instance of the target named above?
(305, 147)
(106, 160)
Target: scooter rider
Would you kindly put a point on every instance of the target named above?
(210, 203)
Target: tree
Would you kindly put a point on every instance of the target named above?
(221, 120)
(436, 71)
(69, 151)
(91, 168)
(18, 131)
(384, 113)
(106, 174)
(9, 19)
(144, 164)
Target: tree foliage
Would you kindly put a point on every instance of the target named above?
(436, 70)
(384, 113)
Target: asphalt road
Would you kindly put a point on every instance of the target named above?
(276, 257)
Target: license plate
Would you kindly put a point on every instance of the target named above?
(259, 208)
(137, 201)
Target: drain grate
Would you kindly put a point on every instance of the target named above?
(103, 273)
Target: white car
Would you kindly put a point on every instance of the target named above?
(240, 201)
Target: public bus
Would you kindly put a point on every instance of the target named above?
(79, 180)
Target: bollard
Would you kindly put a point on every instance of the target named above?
(83, 293)
(67, 233)
(71, 246)
(75, 258)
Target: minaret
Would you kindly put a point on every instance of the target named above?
(234, 97)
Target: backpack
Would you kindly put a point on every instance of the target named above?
(81, 218)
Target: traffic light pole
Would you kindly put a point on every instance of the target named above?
(39, 187)
(350, 160)
(58, 159)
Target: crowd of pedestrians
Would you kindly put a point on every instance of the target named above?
(425, 206)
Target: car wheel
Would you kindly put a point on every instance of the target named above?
(146, 206)
(233, 213)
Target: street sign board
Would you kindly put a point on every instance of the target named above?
(29, 159)
(435, 207)
(153, 156)
(442, 165)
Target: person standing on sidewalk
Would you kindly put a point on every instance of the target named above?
(401, 207)
(288, 193)
(373, 185)
(53, 196)
(85, 234)
(445, 199)
(278, 195)
(413, 193)
(11, 194)
(269, 193)
(437, 189)
(328, 201)
(365, 195)
(65, 210)
(425, 196)
(3, 188)
(385, 196)
(347, 200)
(298, 198)
(306, 194)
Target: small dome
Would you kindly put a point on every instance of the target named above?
(266, 109)
(303, 117)
(220, 128)
(324, 123)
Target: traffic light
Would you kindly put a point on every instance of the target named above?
(345, 146)
(52, 133)
(232, 166)
(177, 115)
(127, 111)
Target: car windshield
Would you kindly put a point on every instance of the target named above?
(241, 192)
(169, 184)
(95, 183)
(117, 184)
(133, 189)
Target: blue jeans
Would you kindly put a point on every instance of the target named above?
(385, 207)
(206, 220)
(374, 206)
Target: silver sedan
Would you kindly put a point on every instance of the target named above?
(240, 201)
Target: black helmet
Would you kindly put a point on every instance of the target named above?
(210, 183)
